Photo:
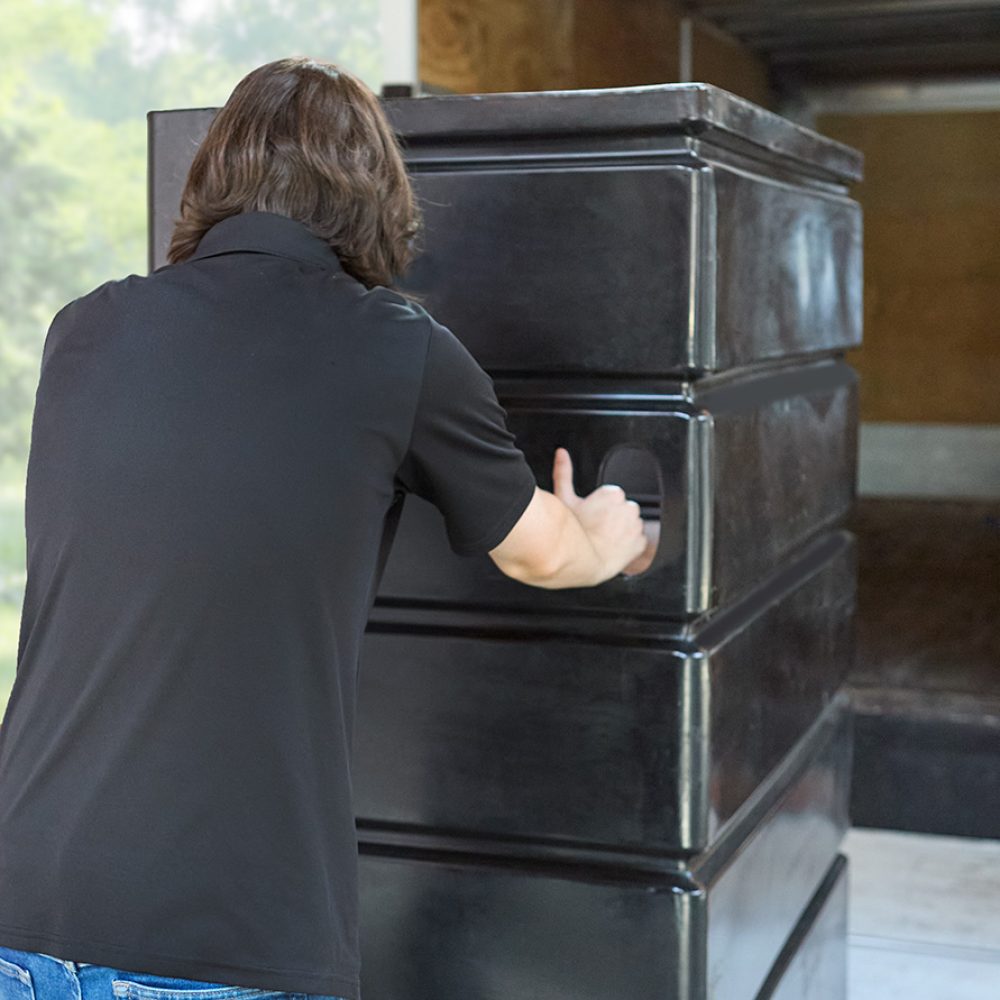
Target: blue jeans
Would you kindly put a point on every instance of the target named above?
(32, 975)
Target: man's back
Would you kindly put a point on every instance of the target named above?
(217, 450)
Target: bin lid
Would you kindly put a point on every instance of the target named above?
(696, 109)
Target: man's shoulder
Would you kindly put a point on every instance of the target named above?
(392, 313)
(97, 298)
(387, 303)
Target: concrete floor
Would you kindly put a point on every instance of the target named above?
(923, 916)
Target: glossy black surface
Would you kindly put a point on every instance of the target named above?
(633, 739)
(447, 924)
(621, 113)
(813, 963)
(633, 791)
(667, 229)
(750, 468)
(634, 267)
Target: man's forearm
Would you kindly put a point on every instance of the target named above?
(574, 562)
(554, 547)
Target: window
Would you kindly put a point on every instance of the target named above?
(77, 78)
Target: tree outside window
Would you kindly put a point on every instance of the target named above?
(77, 78)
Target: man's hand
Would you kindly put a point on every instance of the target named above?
(612, 523)
(651, 529)
(565, 540)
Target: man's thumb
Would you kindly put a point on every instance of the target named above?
(562, 477)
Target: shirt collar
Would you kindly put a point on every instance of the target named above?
(267, 232)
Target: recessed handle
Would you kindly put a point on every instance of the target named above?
(637, 471)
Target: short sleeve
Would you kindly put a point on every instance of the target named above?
(462, 457)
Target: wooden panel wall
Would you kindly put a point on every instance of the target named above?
(722, 60)
(931, 201)
(625, 44)
(484, 46)
(930, 192)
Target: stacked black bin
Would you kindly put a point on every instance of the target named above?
(634, 791)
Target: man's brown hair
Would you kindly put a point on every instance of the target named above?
(305, 139)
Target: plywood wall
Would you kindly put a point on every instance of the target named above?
(931, 201)
(931, 192)
(625, 44)
(720, 59)
(484, 46)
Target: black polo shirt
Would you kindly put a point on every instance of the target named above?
(217, 452)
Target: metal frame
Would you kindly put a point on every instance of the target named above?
(398, 22)
(892, 96)
(953, 461)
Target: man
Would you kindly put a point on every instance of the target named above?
(215, 450)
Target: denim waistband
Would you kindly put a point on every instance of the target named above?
(72, 966)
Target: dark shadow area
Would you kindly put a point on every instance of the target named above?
(926, 680)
